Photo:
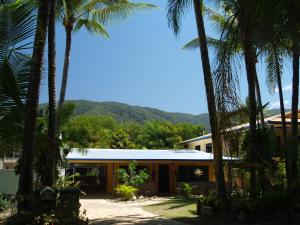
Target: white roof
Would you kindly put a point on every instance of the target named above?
(135, 154)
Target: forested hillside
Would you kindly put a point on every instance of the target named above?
(124, 112)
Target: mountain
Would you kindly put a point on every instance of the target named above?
(124, 112)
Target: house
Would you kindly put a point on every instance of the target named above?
(167, 168)
(8, 179)
(9, 161)
(204, 143)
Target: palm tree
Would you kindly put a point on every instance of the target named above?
(294, 120)
(274, 61)
(243, 14)
(48, 178)
(91, 14)
(291, 27)
(26, 175)
(17, 25)
(176, 9)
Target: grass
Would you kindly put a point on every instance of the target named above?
(184, 210)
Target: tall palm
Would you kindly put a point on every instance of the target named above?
(236, 28)
(274, 60)
(244, 15)
(176, 9)
(26, 175)
(228, 51)
(48, 178)
(291, 27)
(92, 15)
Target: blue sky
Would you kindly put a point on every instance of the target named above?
(143, 64)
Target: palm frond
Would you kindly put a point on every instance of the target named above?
(92, 26)
(274, 66)
(17, 26)
(176, 10)
(119, 11)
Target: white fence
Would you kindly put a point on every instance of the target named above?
(8, 181)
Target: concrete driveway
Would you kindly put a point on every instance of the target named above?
(108, 211)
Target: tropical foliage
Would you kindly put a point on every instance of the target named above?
(105, 132)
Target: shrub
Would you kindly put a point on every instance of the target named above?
(187, 189)
(126, 192)
(4, 201)
(133, 177)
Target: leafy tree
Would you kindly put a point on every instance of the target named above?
(187, 131)
(159, 135)
(89, 131)
(120, 140)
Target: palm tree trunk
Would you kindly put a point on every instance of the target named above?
(251, 71)
(49, 175)
(283, 120)
(211, 102)
(69, 30)
(294, 122)
(258, 95)
(26, 173)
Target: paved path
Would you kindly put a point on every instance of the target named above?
(107, 212)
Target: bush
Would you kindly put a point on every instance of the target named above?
(133, 177)
(4, 201)
(126, 192)
(187, 190)
(214, 201)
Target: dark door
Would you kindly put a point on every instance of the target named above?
(163, 178)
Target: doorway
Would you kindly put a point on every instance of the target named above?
(163, 178)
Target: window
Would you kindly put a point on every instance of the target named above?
(185, 146)
(209, 148)
(187, 173)
(198, 147)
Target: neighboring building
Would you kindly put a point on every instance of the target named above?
(9, 161)
(204, 143)
(167, 168)
(8, 179)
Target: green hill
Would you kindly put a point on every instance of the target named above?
(124, 112)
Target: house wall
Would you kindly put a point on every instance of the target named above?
(202, 143)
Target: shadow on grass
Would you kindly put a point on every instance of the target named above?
(176, 202)
(134, 219)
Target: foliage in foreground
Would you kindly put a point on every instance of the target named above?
(131, 179)
(187, 189)
(237, 201)
(4, 201)
(126, 192)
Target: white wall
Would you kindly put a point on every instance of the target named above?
(8, 181)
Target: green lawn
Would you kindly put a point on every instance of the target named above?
(184, 210)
